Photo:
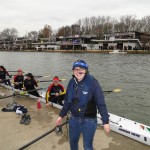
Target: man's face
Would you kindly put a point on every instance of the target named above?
(55, 82)
(79, 73)
(28, 78)
(19, 73)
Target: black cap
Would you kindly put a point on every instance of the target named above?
(29, 75)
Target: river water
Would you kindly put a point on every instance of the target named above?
(129, 72)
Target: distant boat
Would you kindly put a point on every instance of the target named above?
(117, 51)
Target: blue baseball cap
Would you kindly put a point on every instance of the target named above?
(81, 64)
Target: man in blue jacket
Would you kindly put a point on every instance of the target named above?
(84, 96)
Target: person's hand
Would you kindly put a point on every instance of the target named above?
(47, 105)
(58, 121)
(37, 81)
(16, 83)
(24, 89)
(0, 80)
(57, 94)
(107, 128)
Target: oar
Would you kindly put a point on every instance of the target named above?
(36, 76)
(17, 71)
(51, 80)
(21, 93)
(26, 92)
(40, 137)
(12, 71)
(5, 79)
(114, 91)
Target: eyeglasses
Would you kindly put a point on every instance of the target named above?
(77, 70)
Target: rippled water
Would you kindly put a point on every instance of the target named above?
(129, 72)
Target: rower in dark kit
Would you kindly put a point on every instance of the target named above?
(3, 74)
(56, 92)
(30, 84)
(18, 80)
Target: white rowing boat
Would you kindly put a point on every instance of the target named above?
(129, 128)
(121, 125)
(17, 91)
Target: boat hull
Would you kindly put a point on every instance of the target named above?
(129, 128)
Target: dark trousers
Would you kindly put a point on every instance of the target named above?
(57, 99)
(35, 93)
(6, 82)
(20, 86)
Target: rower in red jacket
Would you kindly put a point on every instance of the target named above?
(55, 92)
(18, 80)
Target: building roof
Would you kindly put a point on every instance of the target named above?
(116, 40)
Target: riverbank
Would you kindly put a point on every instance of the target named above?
(83, 51)
(14, 135)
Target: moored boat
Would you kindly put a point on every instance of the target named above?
(117, 51)
(121, 125)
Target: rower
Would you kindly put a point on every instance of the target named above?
(18, 80)
(56, 92)
(3, 74)
(30, 84)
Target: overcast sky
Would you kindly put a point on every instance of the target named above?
(32, 15)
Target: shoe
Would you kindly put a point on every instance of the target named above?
(22, 121)
(11, 105)
(7, 110)
(27, 120)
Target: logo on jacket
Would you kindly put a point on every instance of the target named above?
(84, 92)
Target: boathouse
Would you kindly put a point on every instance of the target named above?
(77, 42)
(124, 41)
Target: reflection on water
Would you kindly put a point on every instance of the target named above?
(131, 73)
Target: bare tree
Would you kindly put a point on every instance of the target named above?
(8, 33)
(127, 23)
(45, 32)
(75, 29)
(67, 31)
(60, 31)
(106, 24)
(146, 24)
(64, 31)
(33, 35)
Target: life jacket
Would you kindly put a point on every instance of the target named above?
(20, 80)
(52, 90)
(2, 75)
(30, 84)
(79, 94)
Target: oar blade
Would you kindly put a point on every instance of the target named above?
(117, 90)
(23, 92)
(62, 79)
(47, 76)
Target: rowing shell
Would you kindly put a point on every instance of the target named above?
(121, 125)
